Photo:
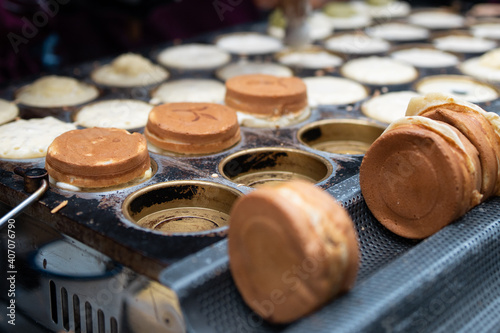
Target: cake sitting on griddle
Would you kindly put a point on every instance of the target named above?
(129, 70)
(26, 139)
(266, 100)
(8, 111)
(97, 158)
(56, 91)
(281, 226)
(192, 128)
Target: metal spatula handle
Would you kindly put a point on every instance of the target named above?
(297, 29)
(33, 179)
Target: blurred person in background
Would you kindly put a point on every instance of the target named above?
(48, 34)
(44, 35)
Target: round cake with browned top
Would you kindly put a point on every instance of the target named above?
(282, 230)
(419, 176)
(481, 134)
(266, 95)
(192, 128)
(97, 157)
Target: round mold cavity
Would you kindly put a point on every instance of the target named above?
(340, 136)
(186, 206)
(254, 167)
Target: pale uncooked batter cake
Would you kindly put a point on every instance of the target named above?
(56, 91)
(379, 71)
(426, 57)
(8, 111)
(119, 113)
(312, 59)
(437, 19)
(249, 43)
(486, 30)
(356, 43)
(24, 139)
(189, 90)
(248, 67)
(485, 67)
(194, 57)
(329, 90)
(461, 87)
(464, 44)
(388, 107)
(129, 70)
(398, 32)
(383, 9)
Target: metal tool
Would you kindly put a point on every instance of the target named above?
(36, 182)
(297, 27)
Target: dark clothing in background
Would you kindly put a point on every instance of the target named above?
(65, 32)
(49, 34)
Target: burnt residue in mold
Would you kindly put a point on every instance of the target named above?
(249, 162)
(162, 195)
(312, 135)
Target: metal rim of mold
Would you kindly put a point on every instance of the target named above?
(184, 207)
(340, 136)
(253, 167)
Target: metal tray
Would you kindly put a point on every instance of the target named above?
(97, 219)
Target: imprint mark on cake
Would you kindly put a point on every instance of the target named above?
(197, 113)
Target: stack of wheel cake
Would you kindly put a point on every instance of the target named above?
(432, 166)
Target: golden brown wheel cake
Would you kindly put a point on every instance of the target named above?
(480, 133)
(268, 97)
(97, 157)
(480, 127)
(292, 248)
(192, 128)
(419, 176)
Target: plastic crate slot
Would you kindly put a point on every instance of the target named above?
(76, 314)
(100, 321)
(88, 317)
(53, 301)
(65, 308)
(114, 325)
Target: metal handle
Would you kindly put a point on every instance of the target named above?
(32, 198)
(33, 179)
(297, 29)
